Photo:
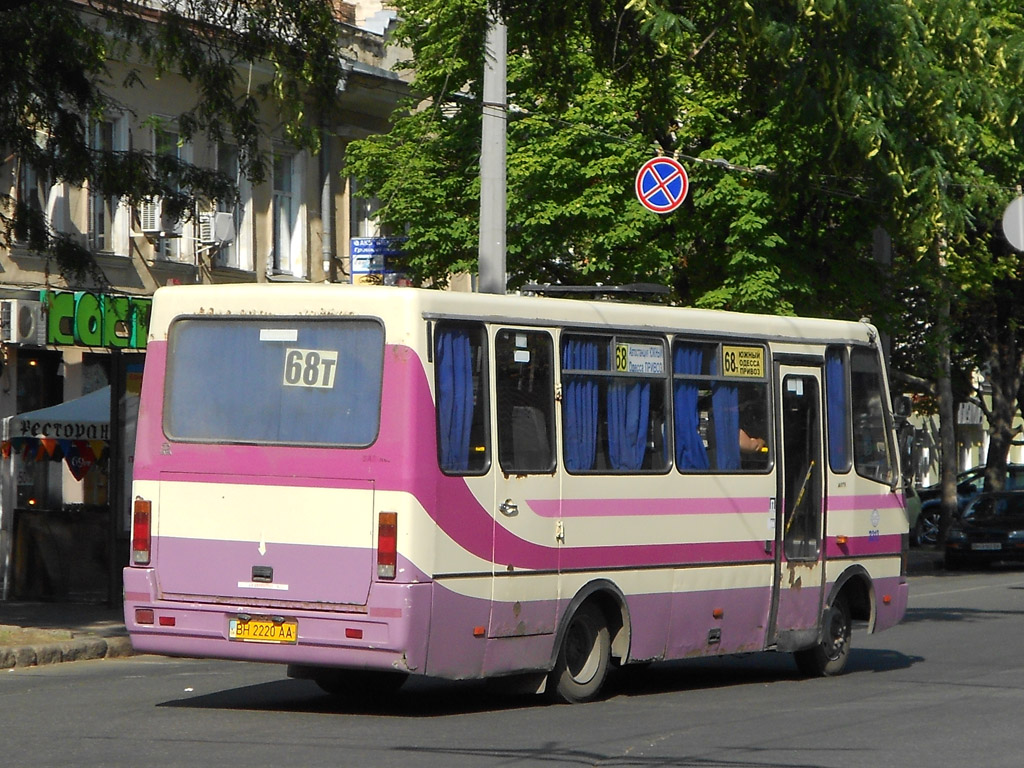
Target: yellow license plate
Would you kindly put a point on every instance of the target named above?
(263, 631)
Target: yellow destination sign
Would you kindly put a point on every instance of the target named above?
(743, 362)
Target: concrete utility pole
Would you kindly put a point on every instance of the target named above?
(492, 157)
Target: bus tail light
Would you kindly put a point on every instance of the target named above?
(387, 545)
(141, 527)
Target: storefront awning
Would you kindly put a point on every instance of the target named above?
(84, 418)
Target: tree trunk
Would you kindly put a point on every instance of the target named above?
(1005, 380)
(947, 423)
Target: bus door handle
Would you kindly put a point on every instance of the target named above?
(509, 508)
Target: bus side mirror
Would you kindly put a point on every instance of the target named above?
(901, 407)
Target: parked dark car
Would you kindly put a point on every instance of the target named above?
(990, 529)
(969, 484)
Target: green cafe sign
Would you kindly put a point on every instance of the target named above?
(81, 318)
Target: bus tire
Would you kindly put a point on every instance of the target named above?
(828, 658)
(583, 658)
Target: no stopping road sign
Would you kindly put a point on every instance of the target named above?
(661, 184)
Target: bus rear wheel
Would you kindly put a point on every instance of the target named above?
(828, 658)
(583, 658)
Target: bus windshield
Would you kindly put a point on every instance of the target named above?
(305, 382)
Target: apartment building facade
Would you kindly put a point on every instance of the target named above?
(63, 488)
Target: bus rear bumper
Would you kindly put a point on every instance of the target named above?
(389, 633)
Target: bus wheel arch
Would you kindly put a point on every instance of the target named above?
(851, 599)
(856, 587)
(593, 631)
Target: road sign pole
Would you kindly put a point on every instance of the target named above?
(492, 158)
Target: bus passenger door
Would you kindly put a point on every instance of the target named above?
(799, 565)
(526, 494)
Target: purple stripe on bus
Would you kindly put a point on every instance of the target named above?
(881, 502)
(647, 507)
(864, 546)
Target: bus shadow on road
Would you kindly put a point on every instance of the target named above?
(956, 614)
(749, 669)
(417, 698)
(422, 697)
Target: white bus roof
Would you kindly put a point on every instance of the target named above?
(319, 300)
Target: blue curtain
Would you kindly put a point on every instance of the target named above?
(454, 397)
(629, 406)
(579, 404)
(725, 404)
(690, 450)
(835, 392)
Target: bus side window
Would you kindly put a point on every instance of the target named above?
(614, 403)
(721, 416)
(460, 370)
(525, 401)
(837, 409)
(872, 452)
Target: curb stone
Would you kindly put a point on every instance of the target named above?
(55, 653)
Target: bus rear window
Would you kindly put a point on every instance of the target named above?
(295, 382)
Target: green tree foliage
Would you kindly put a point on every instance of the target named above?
(805, 126)
(576, 139)
(58, 78)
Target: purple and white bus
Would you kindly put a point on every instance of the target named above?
(367, 483)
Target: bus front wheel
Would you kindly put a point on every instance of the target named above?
(828, 658)
(583, 658)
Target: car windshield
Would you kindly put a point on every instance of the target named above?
(987, 507)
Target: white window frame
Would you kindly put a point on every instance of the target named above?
(51, 199)
(174, 248)
(288, 228)
(238, 253)
(116, 238)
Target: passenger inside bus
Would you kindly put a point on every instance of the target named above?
(750, 444)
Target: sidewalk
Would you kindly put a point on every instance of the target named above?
(49, 633)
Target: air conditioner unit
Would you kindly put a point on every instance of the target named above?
(22, 322)
(216, 228)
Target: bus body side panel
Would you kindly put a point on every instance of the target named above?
(868, 530)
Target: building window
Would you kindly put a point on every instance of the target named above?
(103, 209)
(168, 244)
(42, 203)
(234, 253)
(286, 254)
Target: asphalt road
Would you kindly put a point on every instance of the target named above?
(946, 688)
